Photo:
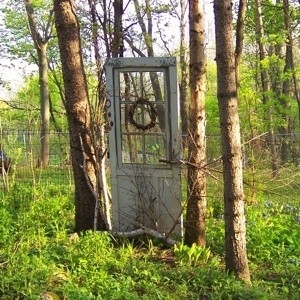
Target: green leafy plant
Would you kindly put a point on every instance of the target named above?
(192, 255)
(39, 254)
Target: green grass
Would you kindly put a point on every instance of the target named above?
(39, 254)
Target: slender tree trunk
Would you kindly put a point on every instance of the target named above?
(196, 206)
(117, 44)
(41, 43)
(276, 72)
(79, 119)
(240, 36)
(287, 83)
(183, 87)
(235, 225)
(266, 86)
(45, 105)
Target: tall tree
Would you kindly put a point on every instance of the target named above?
(87, 215)
(235, 225)
(27, 35)
(287, 83)
(183, 86)
(290, 64)
(41, 39)
(265, 83)
(196, 205)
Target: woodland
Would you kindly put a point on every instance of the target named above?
(238, 74)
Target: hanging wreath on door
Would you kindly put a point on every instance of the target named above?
(151, 110)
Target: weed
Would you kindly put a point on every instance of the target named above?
(193, 255)
(38, 256)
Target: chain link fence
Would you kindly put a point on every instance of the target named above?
(260, 180)
(23, 148)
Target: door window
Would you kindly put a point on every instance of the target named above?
(143, 112)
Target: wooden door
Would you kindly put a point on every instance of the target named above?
(144, 143)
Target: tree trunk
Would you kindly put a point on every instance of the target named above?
(78, 112)
(240, 36)
(290, 51)
(117, 43)
(196, 205)
(287, 83)
(183, 87)
(41, 43)
(45, 105)
(266, 86)
(235, 227)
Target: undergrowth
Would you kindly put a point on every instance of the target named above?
(40, 255)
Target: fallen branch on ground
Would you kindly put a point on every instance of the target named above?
(145, 230)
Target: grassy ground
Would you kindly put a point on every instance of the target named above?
(40, 255)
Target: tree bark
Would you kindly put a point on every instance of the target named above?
(235, 226)
(240, 36)
(78, 113)
(45, 105)
(196, 205)
(183, 87)
(117, 43)
(41, 43)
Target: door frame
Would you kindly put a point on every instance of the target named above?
(169, 166)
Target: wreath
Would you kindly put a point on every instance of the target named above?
(152, 114)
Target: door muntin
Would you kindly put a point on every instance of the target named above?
(142, 116)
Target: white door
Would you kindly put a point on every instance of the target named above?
(144, 143)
